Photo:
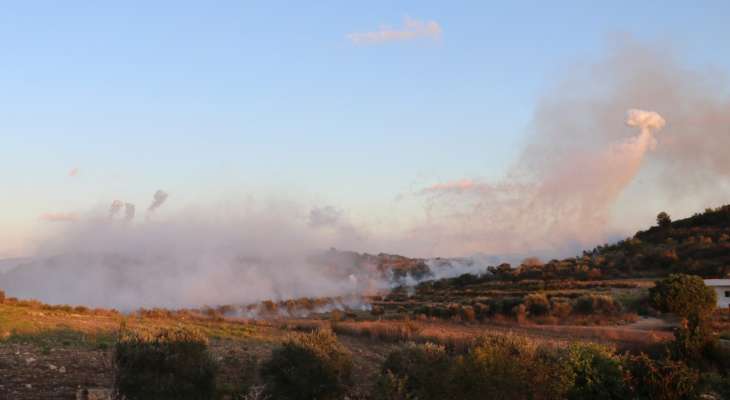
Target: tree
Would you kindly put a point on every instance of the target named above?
(688, 297)
(684, 295)
(663, 220)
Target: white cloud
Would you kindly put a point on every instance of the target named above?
(412, 29)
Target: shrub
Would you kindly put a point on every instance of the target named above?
(308, 366)
(684, 295)
(389, 386)
(416, 371)
(561, 309)
(468, 314)
(595, 371)
(537, 304)
(166, 364)
(507, 367)
(662, 379)
(597, 304)
(2, 297)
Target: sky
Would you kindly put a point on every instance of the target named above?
(356, 106)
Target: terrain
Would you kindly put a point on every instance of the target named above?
(65, 352)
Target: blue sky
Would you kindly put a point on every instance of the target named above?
(205, 99)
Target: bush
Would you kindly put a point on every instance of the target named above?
(684, 295)
(537, 304)
(308, 366)
(561, 309)
(389, 386)
(2, 297)
(595, 371)
(597, 304)
(662, 379)
(416, 371)
(507, 367)
(166, 364)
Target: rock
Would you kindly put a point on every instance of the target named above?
(62, 370)
(29, 360)
(28, 386)
(52, 367)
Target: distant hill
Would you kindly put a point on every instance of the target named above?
(697, 245)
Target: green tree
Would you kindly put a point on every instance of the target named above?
(684, 295)
(688, 297)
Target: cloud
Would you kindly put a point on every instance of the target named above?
(73, 172)
(59, 217)
(412, 29)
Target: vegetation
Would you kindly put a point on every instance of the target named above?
(308, 366)
(165, 364)
(415, 371)
(596, 372)
(684, 295)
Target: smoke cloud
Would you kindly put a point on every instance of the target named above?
(637, 125)
(188, 260)
(158, 199)
(581, 170)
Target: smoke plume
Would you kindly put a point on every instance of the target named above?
(158, 199)
(582, 178)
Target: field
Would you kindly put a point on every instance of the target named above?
(62, 352)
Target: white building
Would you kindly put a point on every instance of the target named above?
(722, 288)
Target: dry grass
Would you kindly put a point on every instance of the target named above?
(459, 336)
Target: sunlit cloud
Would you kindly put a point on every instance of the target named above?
(412, 29)
(73, 172)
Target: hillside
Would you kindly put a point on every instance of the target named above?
(698, 245)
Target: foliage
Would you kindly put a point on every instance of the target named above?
(663, 379)
(308, 366)
(508, 367)
(537, 304)
(416, 370)
(597, 304)
(596, 373)
(684, 295)
(165, 364)
(390, 386)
